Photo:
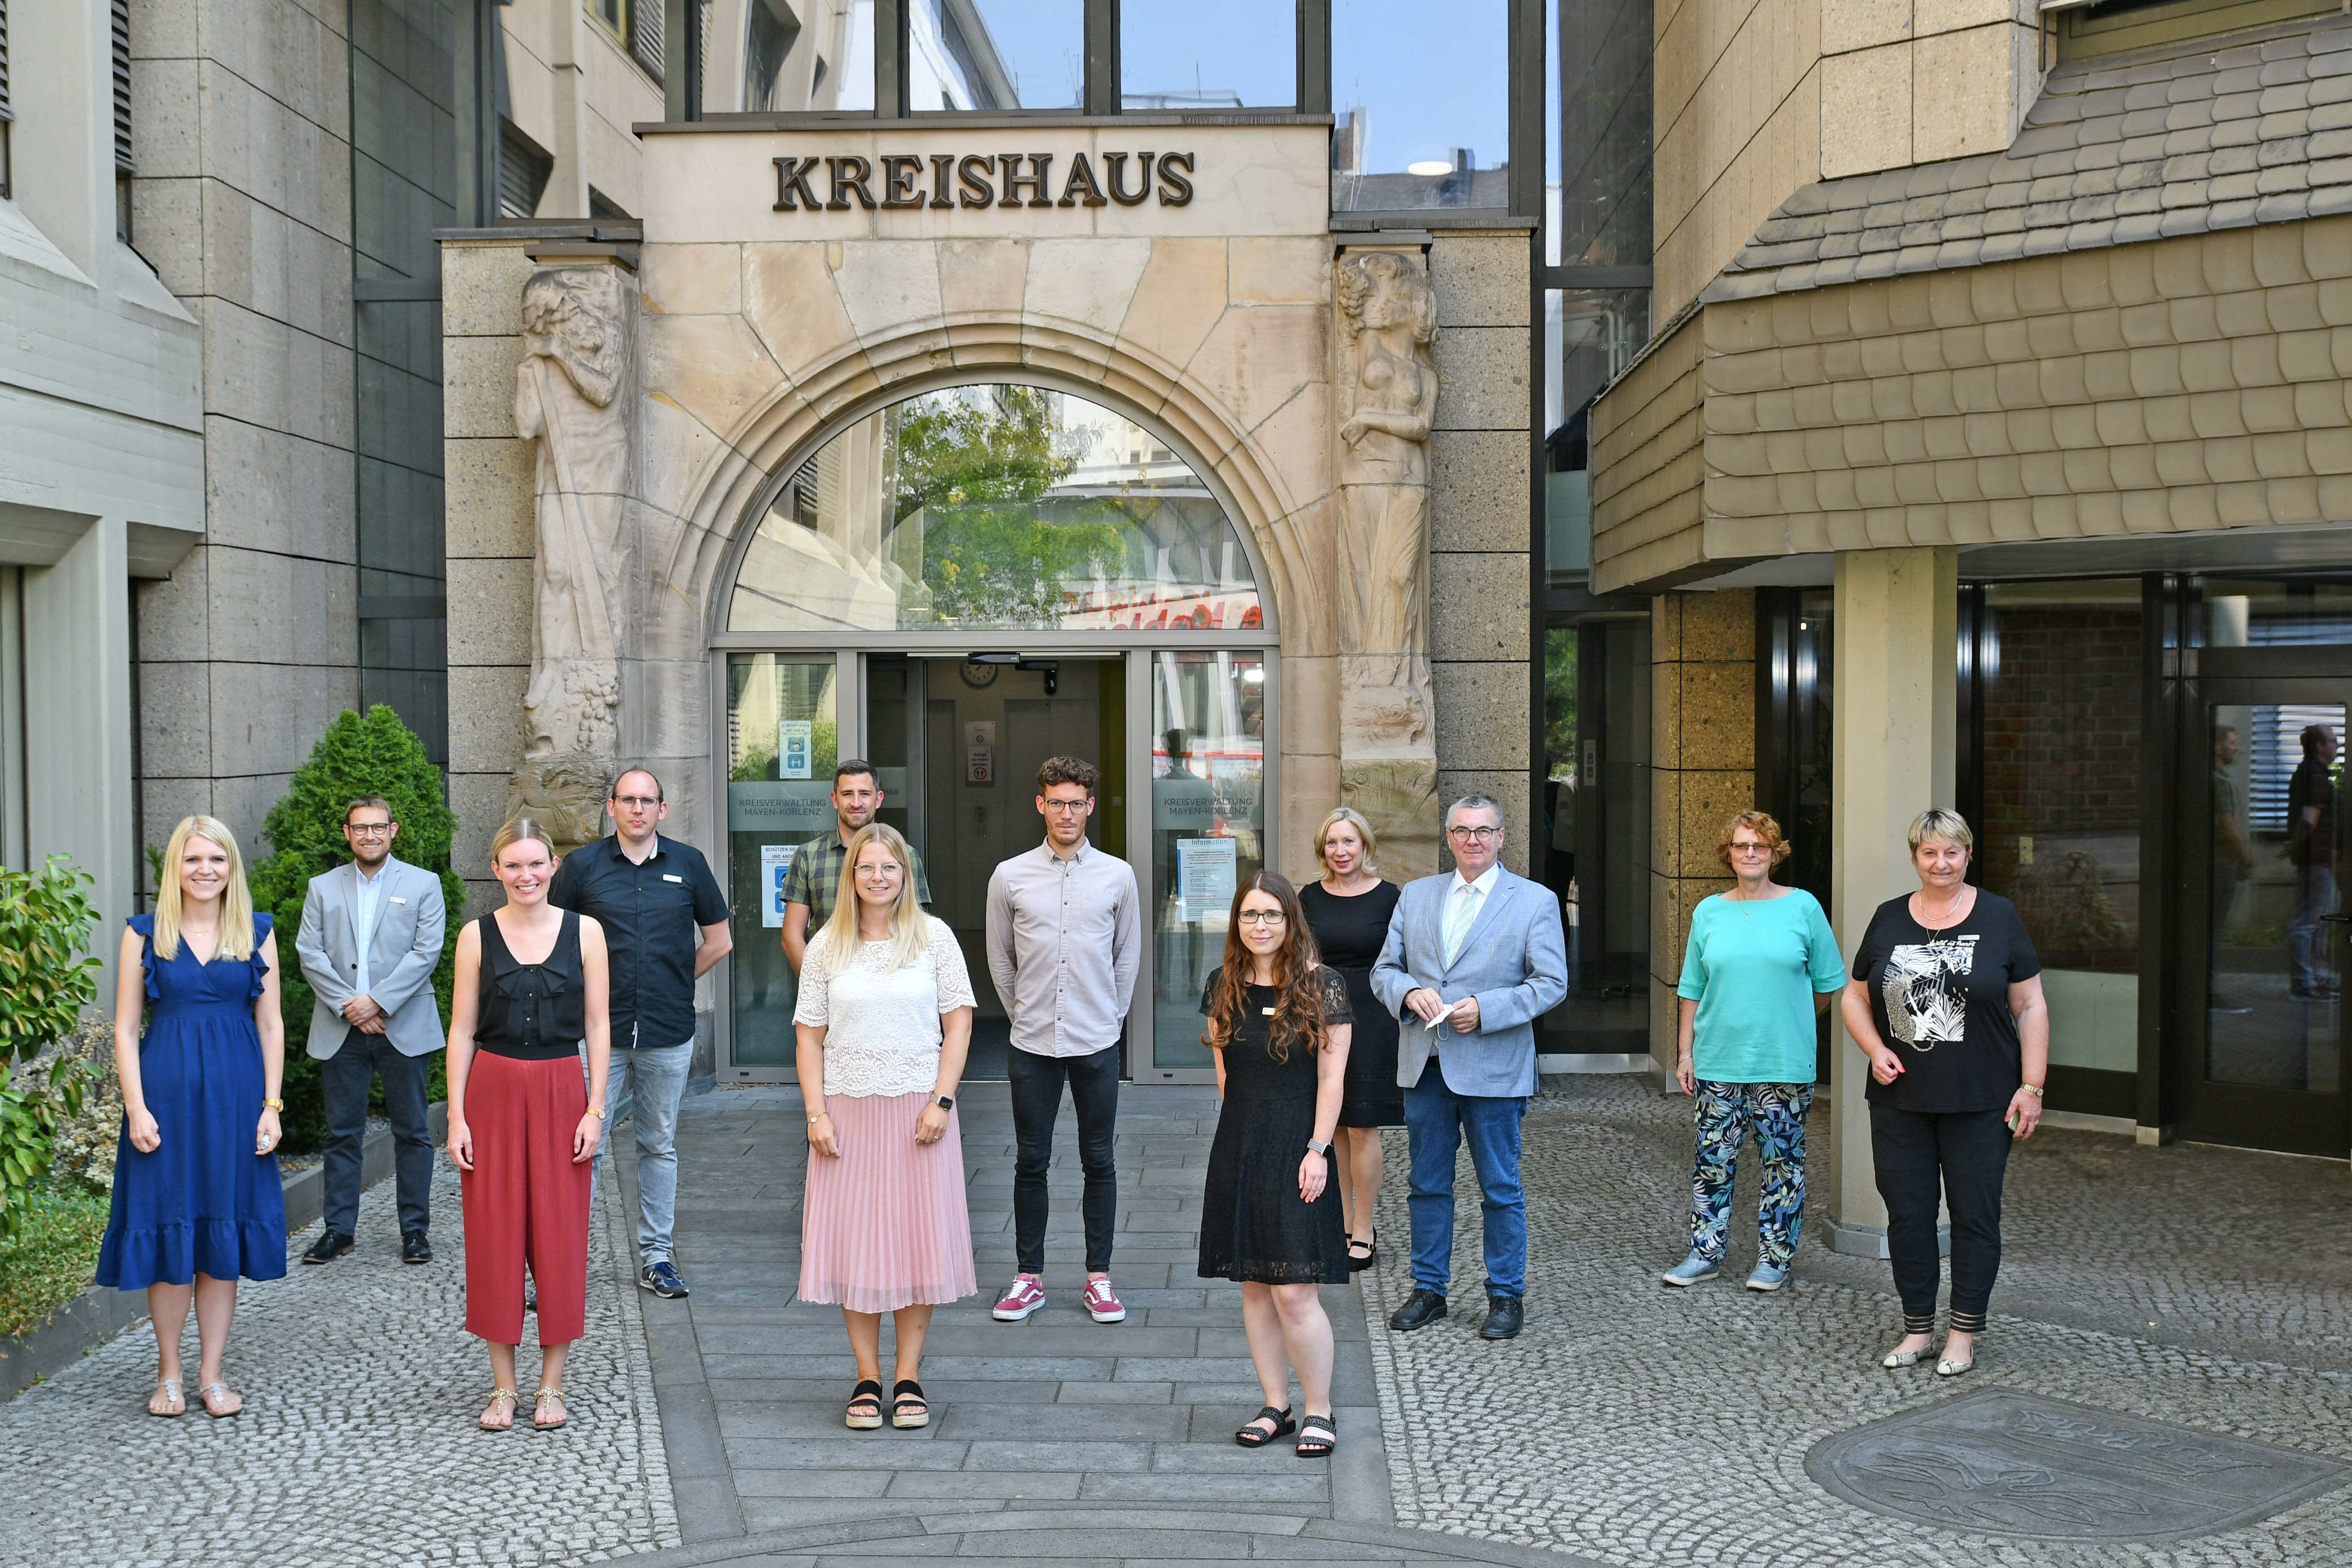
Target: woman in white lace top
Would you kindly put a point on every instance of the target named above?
(884, 1026)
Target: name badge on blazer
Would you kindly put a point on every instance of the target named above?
(667, 877)
(398, 900)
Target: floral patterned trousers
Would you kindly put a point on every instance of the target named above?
(1725, 1113)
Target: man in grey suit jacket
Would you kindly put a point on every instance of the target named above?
(370, 939)
(1473, 958)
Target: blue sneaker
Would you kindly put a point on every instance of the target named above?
(1768, 1276)
(1690, 1271)
(662, 1279)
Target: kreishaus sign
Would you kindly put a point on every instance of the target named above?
(901, 182)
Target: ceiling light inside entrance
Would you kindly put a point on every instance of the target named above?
(1429, 167)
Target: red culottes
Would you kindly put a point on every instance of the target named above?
(526, 1203)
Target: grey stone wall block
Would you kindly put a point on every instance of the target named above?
(489, 499)
(478, 385)
(168, 218)
(489, 611)
(1482, 375)
(176, 614)
(266, 489)
(176, 719)
(1478, 490)
(272, 608)
(1478, 607)
(481, 290)
(1481, 279)
(480, 799)
(267, 717)
(486, 718)
(167, 130)
(243, 800)
(1482, 715)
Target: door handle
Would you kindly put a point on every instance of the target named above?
(2338, 920)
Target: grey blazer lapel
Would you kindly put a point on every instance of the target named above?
(1488, 912)
(392, 879)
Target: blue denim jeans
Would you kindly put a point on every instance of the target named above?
(1727, 1112)
(1438, 1120)
(649, 1081)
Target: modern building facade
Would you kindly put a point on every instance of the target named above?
(1990, 452)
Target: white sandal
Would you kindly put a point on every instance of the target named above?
(169, 1387)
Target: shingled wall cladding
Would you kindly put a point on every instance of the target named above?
(2186, 384)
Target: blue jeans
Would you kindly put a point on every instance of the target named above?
(2306, 952)
(1437, 1121)
(1727, 1112)
(651, 1080)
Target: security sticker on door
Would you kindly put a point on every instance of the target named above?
(775, 863)
(793, 742)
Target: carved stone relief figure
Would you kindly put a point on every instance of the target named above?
(1387, 388)
(565, 795)
(576, 360)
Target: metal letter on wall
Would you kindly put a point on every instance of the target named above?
(1387, 394)
(576, 363)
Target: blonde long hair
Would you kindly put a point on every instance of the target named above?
(234, 938)
(1355, 819)
(910, 928)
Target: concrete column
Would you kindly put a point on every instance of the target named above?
(1897, 631)
(77, 773)
(566, 195)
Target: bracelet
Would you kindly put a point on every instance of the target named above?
(273, 1105)
(597, 1111)
(819, 1116)
(2032, 1088)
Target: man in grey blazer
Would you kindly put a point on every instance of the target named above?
(1473, 958)
(370, 939)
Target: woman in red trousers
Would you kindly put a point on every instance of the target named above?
(522, 1127)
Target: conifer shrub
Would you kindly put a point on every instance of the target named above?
(369, 753)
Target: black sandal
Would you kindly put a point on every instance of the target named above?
(1314, 1447)
(906, 1395)
(1372, 1252)
(1249, 1437)
(868, 1420)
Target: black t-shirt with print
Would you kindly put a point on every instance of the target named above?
(1941, 1003)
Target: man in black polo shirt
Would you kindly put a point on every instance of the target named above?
(652, 895)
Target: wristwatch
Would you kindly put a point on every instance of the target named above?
(597, 1111)
(944, 1102)
(2032, 1088)
(1314, 1147)
(273, 1105)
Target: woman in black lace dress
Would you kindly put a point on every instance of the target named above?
(1278, 1022)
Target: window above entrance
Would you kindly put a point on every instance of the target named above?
(994, 507)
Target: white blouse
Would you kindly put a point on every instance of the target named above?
(881, 1025)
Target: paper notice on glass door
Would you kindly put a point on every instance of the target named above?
(1205, 877)
(793, 744)
(775, 864)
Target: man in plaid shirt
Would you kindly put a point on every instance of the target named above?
(814, 880)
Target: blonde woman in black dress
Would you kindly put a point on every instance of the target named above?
(1349, 912)
(1279, 1024)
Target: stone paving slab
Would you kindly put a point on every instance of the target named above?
(1639, 1425)
(357, 1444)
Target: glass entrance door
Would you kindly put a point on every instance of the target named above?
(2266, 1068)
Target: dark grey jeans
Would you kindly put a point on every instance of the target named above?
(346, 1077)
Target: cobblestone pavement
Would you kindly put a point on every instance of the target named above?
(2206, 1287)
(357, 1444)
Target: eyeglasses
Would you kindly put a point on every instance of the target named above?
(1751, 849)
(636, 801)
(1065, 807)
(1262, 917)
(1483, 834)
(367, 829)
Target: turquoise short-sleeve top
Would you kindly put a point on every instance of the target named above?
(1753, 968)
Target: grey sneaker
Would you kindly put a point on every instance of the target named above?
(1690, 1271)
(662, 1279)
(1768, 1276)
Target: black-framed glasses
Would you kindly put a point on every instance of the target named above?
(368, 829)
(1066, 807)
(1262, 917)
(1483, 834)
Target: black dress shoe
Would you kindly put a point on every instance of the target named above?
(1504, 1316)
(1421, 1309)
(330, 1245)
(415, 1248)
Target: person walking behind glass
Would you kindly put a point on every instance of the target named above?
(665, 924)
(197, 1201)
(1065, 942)
(531, 994)
(369, 940)
(1279, 1025)
(1948, 975)
(2311, 847)
(814, 875)
(1347, 912)
(1760, 964)
(1477, 956)
(884, 1026)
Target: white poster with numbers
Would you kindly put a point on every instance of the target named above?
(775, 864)
(1206, 875)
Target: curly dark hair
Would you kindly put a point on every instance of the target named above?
(1298, 1007)
(1067, 770)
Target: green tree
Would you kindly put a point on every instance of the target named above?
(47, 977)
(1559, 702)
(369, 753)
(978, 472)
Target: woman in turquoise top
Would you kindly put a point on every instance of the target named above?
(1761, 963)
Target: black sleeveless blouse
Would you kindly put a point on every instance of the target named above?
(533, 1012)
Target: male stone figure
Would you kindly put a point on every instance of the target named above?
(1476, 957)
(369, 940)
(655, 899)
(1065, 942)
(812, 883)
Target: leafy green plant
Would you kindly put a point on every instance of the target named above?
(44, 922)
(369, 753)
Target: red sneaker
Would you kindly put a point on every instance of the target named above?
(1025, 1297)
(1103, 1303)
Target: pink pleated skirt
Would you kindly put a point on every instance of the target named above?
(884, 1225)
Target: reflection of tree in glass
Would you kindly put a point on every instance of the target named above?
(978, 472)
(1559, 702)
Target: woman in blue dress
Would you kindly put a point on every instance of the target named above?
(197, 1199)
